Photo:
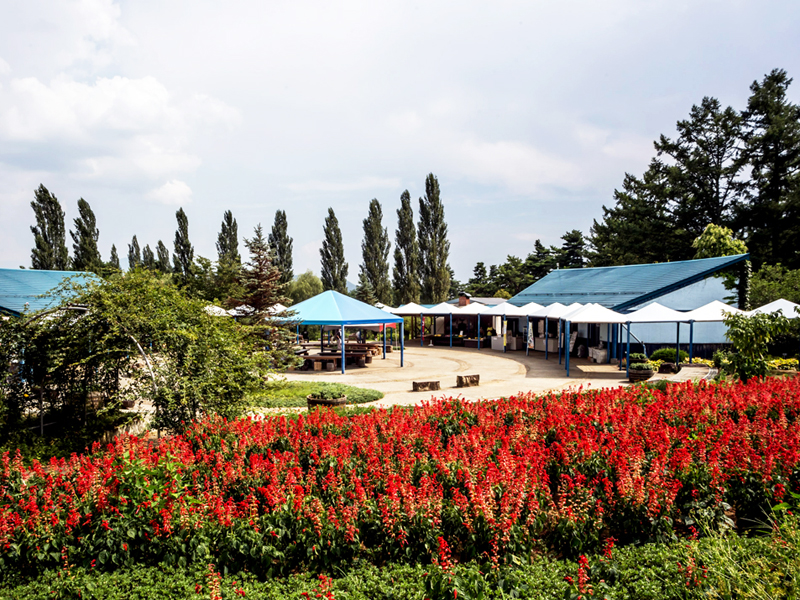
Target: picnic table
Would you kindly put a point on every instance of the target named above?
(331, 360)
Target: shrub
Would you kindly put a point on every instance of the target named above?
(329, 392)
(668, 355)
(646, 366)
(637, 357)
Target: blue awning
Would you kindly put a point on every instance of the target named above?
(25, 289)
(333, 308)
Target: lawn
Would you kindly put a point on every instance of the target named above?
(286, 394)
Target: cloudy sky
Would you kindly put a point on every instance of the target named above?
(529, 113)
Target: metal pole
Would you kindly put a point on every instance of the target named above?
(559, 340)
(567, 349)
(402, 342)
(297, 334)
(691, 341)
(546, 324)
(608, 344)
(628, 352)
(505, 329)
(451, 330)
(421, 330)
(341, 333)
(384, 341)
(678, 345)
(479, 331)
(528, 337)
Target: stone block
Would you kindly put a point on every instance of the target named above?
(425, 386)
(463, 381)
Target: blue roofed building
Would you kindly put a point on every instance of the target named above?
(24, 290)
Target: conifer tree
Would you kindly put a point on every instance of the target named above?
(134, 254)
(162, 262)
(334, 268)
(228, 241)
(281, 245)
(260, 277)
(434, 248)
(148, 258)
(364, 291)
(85, 255)
(406, 254)
(572, 252)
(113, 261)
(183, 257)
(50, 248)
(375, 253)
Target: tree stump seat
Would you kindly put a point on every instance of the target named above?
(425, 386)
(463, 381)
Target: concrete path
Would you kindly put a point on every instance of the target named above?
(501, 374)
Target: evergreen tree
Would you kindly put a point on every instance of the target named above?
(571, 254)
(456, 287)
(134, 254)
(148, 258)
(375, 253)
(183, 256)
(228, 240)
(50, 248)
(364, 290)
(406, 254)
(771, 221)
(113, 261)
(281, 245)
(539, 262)
(85, 255)
(162, 263)
(260, 278)
(433, 244)
(478, 284)
(334, 268)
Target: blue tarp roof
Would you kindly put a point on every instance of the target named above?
(624, 286)
(19, 287)
(333, 308)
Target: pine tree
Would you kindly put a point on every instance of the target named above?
(50, 249)
(334, 268)
(406, 254)
(478, 284)
(134, 254)
(260, 278)
(85, 255)
(375, 253)
(539, 262)
(183, 257)
(148, 258)
(281, 245)
(364, 290)
(163, 263)
(433, 244)
(572, 252)
(113, 261)
(228, 240)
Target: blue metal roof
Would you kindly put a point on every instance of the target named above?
(333, 308)
(622, 287)
(21, 289)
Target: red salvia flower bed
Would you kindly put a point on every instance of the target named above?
(560, 472)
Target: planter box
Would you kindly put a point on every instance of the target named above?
(332, 403)
(634, 376)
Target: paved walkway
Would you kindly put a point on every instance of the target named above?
(501, 374)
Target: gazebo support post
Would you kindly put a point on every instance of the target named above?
(527, 337)
(608, 344)
(628, 351)
(505, 333)
(479, 331)
(451, 330)
(402, 342)
(341, 333)
(567, 348)
(559, 341)
(546, 323)
(691, 341)
(421, 330)
(297, 334)
(678, 345)
(384, 341)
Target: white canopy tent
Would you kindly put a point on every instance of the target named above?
(789, 309)
(657, 313)
(552, 311)
(505, 310)
(711, 312)
(439, 310)
(412, 309)
(588, 313)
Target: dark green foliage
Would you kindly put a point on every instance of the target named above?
(285, 394)
(183, 256)
(333, 265)
(113, 260)
(406, 254)
(750, 336)
(772, 282)
(134, 254)
(148, 258)
(640, 367)
(668, 355)
(571, 255)
(307, 285)
(50, 248)
(364, 290)
(281, 245)
(434, 247)
(85, 255)
(479, 284)
(375, 254)
(228, 240)
(260, 277)
(162, 262)
(639, 357)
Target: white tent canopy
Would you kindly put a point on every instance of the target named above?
(473, 308)
(552, 311)
(786, 307)
(569, 311)
(443, 308)
(712, 312)
(412, 309)
(507, 309)
(530, 308)
(594, 313)
(656, 313)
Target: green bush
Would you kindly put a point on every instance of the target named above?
(286, 394)
(641, 367)
(637, 357)
(668, 355)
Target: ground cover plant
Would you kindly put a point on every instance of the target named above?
(495, 482)
(287, 394)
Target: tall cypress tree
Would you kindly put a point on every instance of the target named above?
(375, 253)
(228, 240)
(113, 261)
(85, 255)
(406, 254)
(434, 248)
(134, 254)
(183, 257)
(281, 245)
(50, 248)
(334, 268)
(149, 258)
(162, 262)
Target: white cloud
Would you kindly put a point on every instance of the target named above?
(173, 192)
(5, 68)
(363, 183)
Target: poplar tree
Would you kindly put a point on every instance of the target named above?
(281, 245)
(433, 244)
(134, 254)
(334, 268)
(228, 241)
(183, 256)
(162, 262)
(375, 254)
(113, 261)
(406, 254)
(148, 258)
(50, 248)
(85, 255)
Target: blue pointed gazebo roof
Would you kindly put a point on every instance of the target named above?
(333, 308)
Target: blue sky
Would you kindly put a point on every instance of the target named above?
(529, 113)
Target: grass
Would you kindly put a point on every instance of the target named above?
(287, 394)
